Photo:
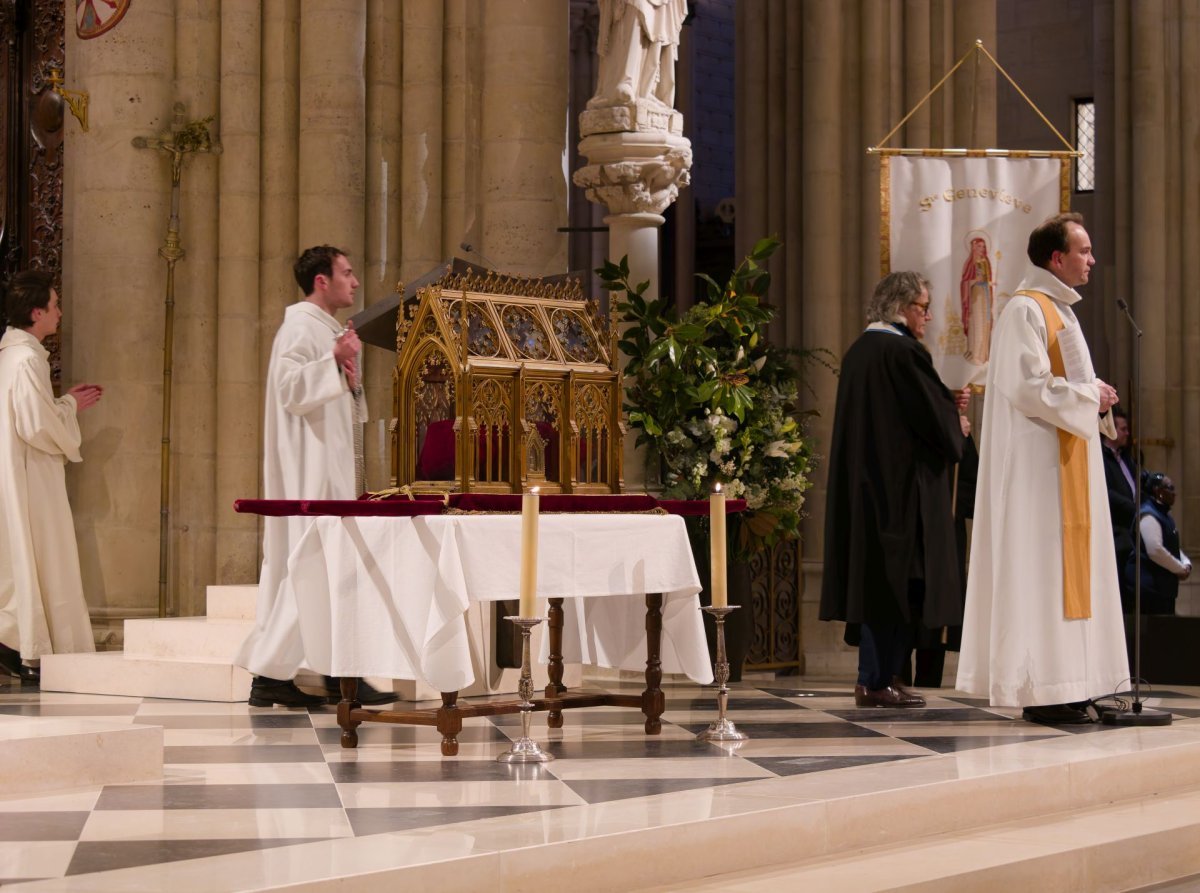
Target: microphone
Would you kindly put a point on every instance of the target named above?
(1124, 306)
(470, 249)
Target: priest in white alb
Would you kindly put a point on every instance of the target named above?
(314, 398)
(1043, 628)
(42, 608)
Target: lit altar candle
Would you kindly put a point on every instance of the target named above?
(716, 547)
(529, 543)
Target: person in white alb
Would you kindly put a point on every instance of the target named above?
(1042, 627)
(313, 400)
(42, 608)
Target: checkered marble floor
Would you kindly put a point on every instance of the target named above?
(239, 779)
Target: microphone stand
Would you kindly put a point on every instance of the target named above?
(1138, 714)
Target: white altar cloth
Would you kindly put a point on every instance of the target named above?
(387, 596)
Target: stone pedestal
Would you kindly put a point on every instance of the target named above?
(637, 162)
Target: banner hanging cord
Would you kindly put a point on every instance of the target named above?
(978, 47)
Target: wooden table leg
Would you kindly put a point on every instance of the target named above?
(449, 723)
(555, 687)
(349, 701)
(653, 700)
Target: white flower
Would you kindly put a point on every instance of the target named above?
(780, 449)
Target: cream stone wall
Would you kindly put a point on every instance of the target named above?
(395, 129)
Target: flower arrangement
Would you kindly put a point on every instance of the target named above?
(715, 401)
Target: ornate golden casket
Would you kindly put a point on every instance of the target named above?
(530, 396)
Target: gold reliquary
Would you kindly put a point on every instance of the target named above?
(526, 392)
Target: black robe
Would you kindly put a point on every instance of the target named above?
(888, 518)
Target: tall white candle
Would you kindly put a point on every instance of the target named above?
(716, 547)
(529, 544)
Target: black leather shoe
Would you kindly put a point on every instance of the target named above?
(10, 662)
(889, 696)
(268, 692)
(1056, 715)
(368, 695)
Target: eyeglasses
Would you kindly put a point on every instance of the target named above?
(924, 308)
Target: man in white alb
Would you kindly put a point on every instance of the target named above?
(313, 400)
(1043, 628)
(42, 608)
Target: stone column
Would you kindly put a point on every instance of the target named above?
(638, 159)
(381, 260)
(1188, 400)
(975, 82)
(113, 284)
(332, 138)
(522, 135)
(421, 140)
(280, 203)
(194, 404)
(238, 385)
(1150, 260)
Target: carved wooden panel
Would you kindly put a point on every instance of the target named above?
(32, 41)
(775, 595)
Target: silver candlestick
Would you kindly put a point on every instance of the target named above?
(525, 749)
(723, 729)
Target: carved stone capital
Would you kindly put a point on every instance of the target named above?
(632, 175)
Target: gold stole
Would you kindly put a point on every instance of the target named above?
(1073, 487)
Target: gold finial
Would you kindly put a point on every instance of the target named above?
(77, 101)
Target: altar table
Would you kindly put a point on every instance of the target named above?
(386, 596)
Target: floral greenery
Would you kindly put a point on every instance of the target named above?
(715, 401)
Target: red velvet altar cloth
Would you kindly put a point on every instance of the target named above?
(403, 507)
(387, 508)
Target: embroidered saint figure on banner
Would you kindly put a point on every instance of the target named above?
(977, 287)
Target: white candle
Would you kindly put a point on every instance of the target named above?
(716, 547)
(529, 543)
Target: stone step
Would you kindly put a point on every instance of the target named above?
(1124, 846)
(40, 754)
(231, 602)
(114, 673)
(185, 638)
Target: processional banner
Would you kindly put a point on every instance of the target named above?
(964, 222)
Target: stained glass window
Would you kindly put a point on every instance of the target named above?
(1085, 142)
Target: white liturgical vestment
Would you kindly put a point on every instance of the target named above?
(308, 453)
(1017, 646)
(42, 608)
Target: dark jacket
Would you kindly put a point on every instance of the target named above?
(888, 518)
(1159, 585)
(1122, 507)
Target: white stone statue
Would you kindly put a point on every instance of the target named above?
(638, 46)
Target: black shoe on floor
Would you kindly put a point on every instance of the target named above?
(268, 692)
(368, 695)
(1056, 715)
(10, 662)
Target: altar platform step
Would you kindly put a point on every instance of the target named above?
(1119, 810)
(1141, 845)
(189, 658)
(120, 673)
(41, 755)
